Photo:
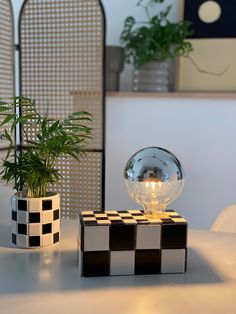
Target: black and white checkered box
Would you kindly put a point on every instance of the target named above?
(35, 221)
(127, 243)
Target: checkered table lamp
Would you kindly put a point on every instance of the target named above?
(130, 243)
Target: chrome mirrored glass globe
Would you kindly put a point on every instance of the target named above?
(154, 178)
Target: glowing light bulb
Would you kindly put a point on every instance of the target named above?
(154, 179)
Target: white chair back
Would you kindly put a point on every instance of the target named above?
(226, 220)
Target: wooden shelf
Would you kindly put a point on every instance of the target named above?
(192, 95)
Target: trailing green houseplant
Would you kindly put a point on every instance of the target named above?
(34, 168)
(156, 38)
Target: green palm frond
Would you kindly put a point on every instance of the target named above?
(35, 167)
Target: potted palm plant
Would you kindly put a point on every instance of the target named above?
(33, 171)
(152, 43)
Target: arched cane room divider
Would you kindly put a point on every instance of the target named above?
(6, 57)
(61, 67)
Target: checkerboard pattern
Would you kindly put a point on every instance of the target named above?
(35, 221)
(128, 242)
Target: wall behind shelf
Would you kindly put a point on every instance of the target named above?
(202, 134)
(116, 13)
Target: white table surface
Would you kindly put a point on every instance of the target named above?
(47, 280)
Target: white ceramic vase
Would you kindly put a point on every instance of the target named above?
(35, 221)
(154, 76)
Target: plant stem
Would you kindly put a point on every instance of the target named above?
(147, 12)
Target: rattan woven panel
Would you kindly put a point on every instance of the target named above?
(81, 187)
(62, 44)
(2, 157)
(6, 53)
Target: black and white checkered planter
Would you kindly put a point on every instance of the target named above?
(35, 221)
(129, 243)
